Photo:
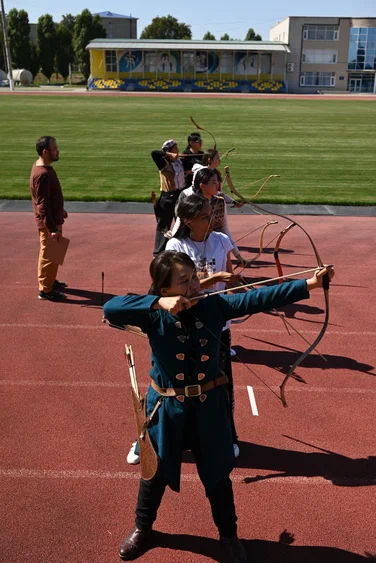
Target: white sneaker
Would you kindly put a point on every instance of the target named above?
(232, 352)
(236, 450)
(132, 457)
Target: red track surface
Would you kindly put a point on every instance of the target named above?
(304, 482)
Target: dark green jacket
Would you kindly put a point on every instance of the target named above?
(186, 356)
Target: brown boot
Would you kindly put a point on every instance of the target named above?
(134, 544)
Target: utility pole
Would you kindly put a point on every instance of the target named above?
(6, 45)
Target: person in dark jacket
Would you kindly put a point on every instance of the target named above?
(184, 336)
(193, 155)
(49, 214)
(171, 175)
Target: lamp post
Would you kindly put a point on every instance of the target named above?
(6, 45)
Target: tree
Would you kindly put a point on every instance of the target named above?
(64, 50)
(225, 37)
(86, 28)
(69, 22)
(19, 38)
(208, 36)
(34, 60)
(166, 27)
(46, 44)
(2, 49)
(252, 35)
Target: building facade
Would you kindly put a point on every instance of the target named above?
(118, 26)
(328, 54)
(187, 65)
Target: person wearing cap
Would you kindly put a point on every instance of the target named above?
(171, 173)
(193, 155)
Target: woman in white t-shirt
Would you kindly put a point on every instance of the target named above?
(210, 161)
(210, 252)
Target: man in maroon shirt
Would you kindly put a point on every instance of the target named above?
(48, 207)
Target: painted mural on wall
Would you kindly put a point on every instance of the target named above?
(206, 62)
(245, 64)
(163, 61)
(131, 61)
(168, 61)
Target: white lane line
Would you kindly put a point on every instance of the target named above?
(252, 400)
(277, 331)
(23, 473)
(100, 326)
(145, 385)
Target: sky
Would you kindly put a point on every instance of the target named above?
(218, 17)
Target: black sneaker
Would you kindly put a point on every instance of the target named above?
(232, 550)
(52, 296)
(59, 285)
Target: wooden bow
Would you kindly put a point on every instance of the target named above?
(262, 211)
(203, 129)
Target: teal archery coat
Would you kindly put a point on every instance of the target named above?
(180, 357)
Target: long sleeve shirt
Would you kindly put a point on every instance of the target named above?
(184, 354)
(47, 198)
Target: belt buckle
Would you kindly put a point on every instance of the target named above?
(187, 393)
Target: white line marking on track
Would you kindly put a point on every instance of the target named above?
(252, 400)
(145, 385)
(23, 473)
(101, 326)
(50, 326)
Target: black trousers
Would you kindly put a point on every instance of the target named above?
(226, 366)
(164, 213)
(221, 498)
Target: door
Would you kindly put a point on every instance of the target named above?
(355, 85)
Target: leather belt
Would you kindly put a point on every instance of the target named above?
(189, 391)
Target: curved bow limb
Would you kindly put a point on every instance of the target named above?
(312, 346)
(238, 194)
(276, 249)
(203, 129)
(262, 211)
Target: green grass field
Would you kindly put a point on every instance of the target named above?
(324, 150)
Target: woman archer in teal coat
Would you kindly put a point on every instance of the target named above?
(184, 337)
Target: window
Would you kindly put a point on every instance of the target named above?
(362, 49)
(318, 79)
(111, 65)
(321, 32)
(319, 56)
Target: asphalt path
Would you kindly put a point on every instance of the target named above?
(147, 209)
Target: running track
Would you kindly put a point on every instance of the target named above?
(305, 480)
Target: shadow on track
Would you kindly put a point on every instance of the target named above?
(260, 550)
(341, 470)
(85, 298)
(282, 359)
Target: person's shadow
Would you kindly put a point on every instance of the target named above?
(85, 298)
(264, 551)
(284, 357)
(341, 470)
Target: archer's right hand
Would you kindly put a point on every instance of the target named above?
(174, 305)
